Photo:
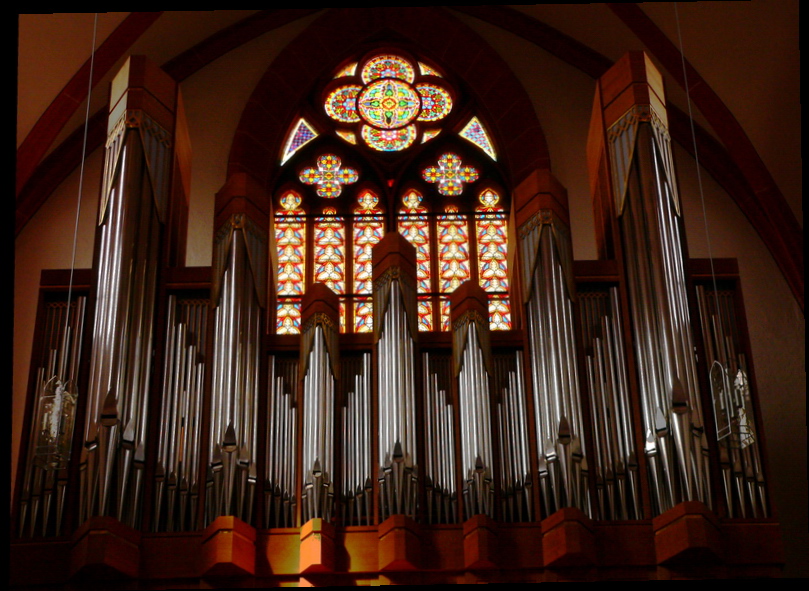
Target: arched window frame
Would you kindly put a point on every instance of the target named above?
(390, 175)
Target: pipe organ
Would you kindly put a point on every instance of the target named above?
(133, 210)
(319, 368)
(547, 278)
(400, 455)
(395, 332)
(472, 360)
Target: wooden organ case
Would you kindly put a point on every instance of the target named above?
(613, 434)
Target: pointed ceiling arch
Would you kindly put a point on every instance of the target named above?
(288, 81)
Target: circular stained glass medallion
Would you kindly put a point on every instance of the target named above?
(436, 102)
(388, 104)
(341, 104)
(389, 140)
(388, 66)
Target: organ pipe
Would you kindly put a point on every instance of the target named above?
(439, 474)
(646, 208)
(546, 263)
(357, 487)
(395, 333)
(472, 366)
(240, 261)
(743, 482)
(614, 462)
(132, 215)
(281, 460)
(320, 372)
(181, 415)
(517, 483)
(44, 488)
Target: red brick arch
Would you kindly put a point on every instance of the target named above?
(286, 84)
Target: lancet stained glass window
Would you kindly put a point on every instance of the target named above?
(468, 246)
(290, 239)
(368, 231)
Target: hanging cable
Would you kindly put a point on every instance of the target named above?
(81, 171)
(696, 158)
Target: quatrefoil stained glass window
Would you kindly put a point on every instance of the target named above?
(392, 104)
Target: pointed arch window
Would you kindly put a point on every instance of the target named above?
(393, 145)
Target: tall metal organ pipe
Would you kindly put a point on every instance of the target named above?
(546, 260)
(645, 207)
(395, 334)
(320, 373)
(132, 214)
(472, 366)
(240, 262)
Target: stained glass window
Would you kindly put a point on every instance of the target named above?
(341, 104)
(368, 231)
(453, 245)
(387, 103)
(329, 176)
(330, 250)
(477, 134)
(449, 175)
(389, 140)
(290, 240)
(349, 70)
(300, 134)
(427, 70)
(491, 223)
(491, 226)
(414, 225)
(388, 66)
(460, 257)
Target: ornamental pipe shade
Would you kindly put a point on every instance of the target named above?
(396, 333)
(640, 205)
(131, 219)
(546, 264)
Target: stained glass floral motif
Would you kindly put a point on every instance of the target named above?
(388, 66)
(329, 176)
(414, 225)
(477, 134)
(288, 317)
(368, 231)
(330, 250)
(450, 175)
(290, 240)
(453, 245)
(435, 102)
(499, 313)
(363, 315)
(300, 134)
(388, 104)
(491, 227)
(425, 313)
(389, 140)
(341, 104)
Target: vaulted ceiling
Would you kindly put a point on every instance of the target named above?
(742, 65)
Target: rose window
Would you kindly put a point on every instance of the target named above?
(391, 108)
